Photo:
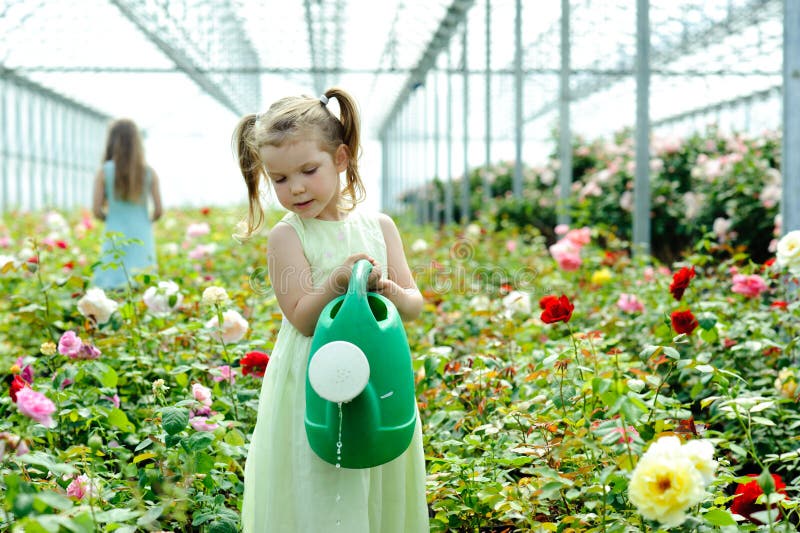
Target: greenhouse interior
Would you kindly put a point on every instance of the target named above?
(546, 267)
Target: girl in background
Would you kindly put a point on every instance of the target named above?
(121, 189)
(300, 148)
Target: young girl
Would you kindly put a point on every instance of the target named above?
(120, 198)
(301, 148)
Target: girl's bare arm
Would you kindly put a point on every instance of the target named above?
(290, 275)
(99, 195)
(399, 285)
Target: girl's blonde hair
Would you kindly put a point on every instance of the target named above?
(124, 147)
(288, 119)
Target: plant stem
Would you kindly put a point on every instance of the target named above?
(658, 390)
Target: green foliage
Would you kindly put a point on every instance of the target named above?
(527, 426)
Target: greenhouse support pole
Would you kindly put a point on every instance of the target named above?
(437, 150)
(465, 185)
(426, 156)
(18, 135)
(790, 204)
(384, 170)
(641, 187)
(517, 182)
(565, 134)
(448, 211)
(487, 192)
(4, 151)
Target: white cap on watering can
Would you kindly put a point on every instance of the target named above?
(339, 371)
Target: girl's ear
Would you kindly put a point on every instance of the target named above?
(341, 158)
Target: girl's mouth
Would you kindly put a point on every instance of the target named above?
(303, 205)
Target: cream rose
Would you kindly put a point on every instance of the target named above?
(95, 304)
(233, 328)
(670, 478)
(214, 295)
(157, 299)
(788, 251)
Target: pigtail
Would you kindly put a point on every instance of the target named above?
(349, 117)
(251, 169)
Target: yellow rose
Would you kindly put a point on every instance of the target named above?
(48, 348)
(601, 277)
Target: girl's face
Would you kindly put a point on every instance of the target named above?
(305, 178)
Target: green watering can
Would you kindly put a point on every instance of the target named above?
(360, 398)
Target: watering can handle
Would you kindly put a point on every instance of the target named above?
(358, 280)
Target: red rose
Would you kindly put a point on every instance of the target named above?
(16, 385)
(546, 300)
(255, 363)
(684, 322)
(779, 304)
(556, 309)
(205, 210)
(744, 501)
(680, 281)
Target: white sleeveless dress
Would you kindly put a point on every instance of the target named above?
(287, 488)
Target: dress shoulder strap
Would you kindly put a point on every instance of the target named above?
(297, 223)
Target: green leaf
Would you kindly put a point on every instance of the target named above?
(203, 463)
(54, 500)
(150, 516)
(116, 515)
(719, 517)
(222, 525)
(106, 375)
(174, 420)
(199, 441)
(119, 419)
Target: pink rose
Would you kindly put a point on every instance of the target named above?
(87, 351)
(201, 393)
(200, 423)
(750, 286)
(629, 303)
(80, 487)
(36, 406)
(579, 237)
(566, 254)
(69, 344)
(224, 374)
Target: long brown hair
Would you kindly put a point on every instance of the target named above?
(289, 118)
(124, 147)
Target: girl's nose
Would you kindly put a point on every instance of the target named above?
(298, 186)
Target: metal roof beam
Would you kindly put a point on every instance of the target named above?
(700, 35)
(454, 16)
(227, 43)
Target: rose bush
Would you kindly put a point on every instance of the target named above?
(529, 424)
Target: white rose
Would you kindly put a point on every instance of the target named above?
(473, 230)
(480, 302)
(157, 299)
(234, 326)
(95, 304)
(198, 229)
(214, 295)
(517, 302)
(419, 245)
(788, 251)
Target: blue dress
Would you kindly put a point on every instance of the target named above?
(132, 220)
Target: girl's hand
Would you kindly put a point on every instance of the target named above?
(340, 277)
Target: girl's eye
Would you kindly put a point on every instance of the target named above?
(310, 171)
(279, 180)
